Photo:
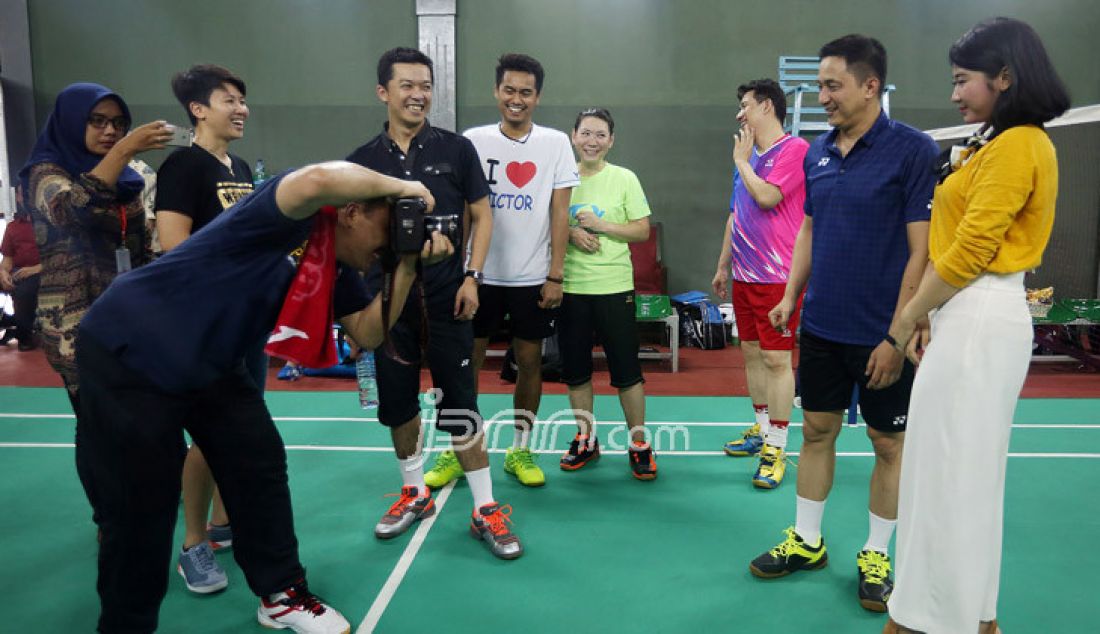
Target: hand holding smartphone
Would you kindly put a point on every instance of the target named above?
(181, 136)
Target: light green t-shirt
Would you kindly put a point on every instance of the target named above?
(615, 195)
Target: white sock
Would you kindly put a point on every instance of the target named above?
(762, 419)
(522, 439)
(481, 485)
(807, 520)
(412, 472)
(776, 436)
(881, 530)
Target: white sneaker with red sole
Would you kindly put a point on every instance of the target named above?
(298, 609)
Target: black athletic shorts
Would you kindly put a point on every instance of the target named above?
(611, 317)
(829, 370)
(521, 303)
(450, 346)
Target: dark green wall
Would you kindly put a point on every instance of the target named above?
(667, 70)
(309, 64)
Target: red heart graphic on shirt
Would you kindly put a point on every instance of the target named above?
(521, 173)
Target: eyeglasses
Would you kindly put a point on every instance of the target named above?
(99, 122)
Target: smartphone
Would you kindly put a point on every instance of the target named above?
(181, 136)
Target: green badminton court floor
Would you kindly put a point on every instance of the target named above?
(605, 553)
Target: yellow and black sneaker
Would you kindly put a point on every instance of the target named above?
(875, 584)
(790, 555)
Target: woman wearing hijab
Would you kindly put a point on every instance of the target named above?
(88, 219)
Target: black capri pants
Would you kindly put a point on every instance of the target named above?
(611, 317)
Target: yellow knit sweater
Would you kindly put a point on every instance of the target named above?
(995, 213)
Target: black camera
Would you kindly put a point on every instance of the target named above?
(410, 227)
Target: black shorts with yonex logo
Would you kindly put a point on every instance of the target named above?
(450, 346)
(521, 303)
(828, 371)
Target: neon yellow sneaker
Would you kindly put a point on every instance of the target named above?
(748, 444)
(445, 470)
(875, 583)
(790, 555)
(773, 464)
(520, 462)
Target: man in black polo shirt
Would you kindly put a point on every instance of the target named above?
(410, 148)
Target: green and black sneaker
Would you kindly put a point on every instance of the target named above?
(875, 584)
(790, 555)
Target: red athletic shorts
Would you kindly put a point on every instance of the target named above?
(751, 304)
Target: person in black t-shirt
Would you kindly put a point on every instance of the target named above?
(194, 185)
(197, 183)
(409, 147)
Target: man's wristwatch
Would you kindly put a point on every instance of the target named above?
(478, 276)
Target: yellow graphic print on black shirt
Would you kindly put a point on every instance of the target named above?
(230, 192)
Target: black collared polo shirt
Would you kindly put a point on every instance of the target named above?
(448, 165)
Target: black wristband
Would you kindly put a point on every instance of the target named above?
(890, 340)
(556, 280)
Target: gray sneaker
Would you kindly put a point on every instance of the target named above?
(490, 524)
(409, 507)
(200, 571)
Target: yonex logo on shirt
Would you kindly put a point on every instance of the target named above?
(823, 162)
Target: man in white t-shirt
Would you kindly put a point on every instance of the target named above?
(531, 172)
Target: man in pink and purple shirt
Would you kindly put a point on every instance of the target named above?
(769, 189)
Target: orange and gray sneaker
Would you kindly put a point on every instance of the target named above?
(643, 465)
(582, 451)
(410, 507)
(490, 524)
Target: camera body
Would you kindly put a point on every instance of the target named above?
(410, 227)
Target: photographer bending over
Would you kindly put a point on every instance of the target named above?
(163, 350)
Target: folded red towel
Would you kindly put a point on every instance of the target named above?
(303, 331)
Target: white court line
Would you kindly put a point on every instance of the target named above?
(353, 419)
(385, 595)
(685, 453)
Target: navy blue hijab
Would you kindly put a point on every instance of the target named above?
(62, 140)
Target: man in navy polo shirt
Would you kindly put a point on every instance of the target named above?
(163, 349)
(862, 248)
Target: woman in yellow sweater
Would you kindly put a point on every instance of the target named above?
(991, 219)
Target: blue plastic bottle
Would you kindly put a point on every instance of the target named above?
(259, 174)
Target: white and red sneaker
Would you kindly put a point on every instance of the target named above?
(298, 609)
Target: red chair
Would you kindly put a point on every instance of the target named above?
(651, 278)
(650, 275)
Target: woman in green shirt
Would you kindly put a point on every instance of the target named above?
(607, 211)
